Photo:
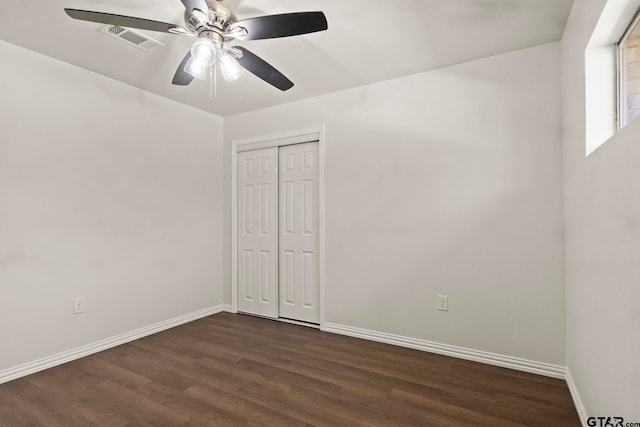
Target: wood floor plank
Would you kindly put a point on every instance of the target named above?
(259, 412)
(235, 370)
(200, 412)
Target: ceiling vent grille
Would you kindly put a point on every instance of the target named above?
(130, 37)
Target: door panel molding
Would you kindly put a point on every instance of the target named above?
(298, 232)
(257, 241)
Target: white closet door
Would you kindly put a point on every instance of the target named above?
(257, 232)
(298, 230)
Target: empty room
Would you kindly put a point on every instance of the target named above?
(331, 213)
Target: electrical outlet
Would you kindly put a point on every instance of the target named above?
(78, 305)
(443, 303)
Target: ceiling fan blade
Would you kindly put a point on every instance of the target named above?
(258, 66)
(182, 78)
(201, 5)
(120, 20)
(284, 25)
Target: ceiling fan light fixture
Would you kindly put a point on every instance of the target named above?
(231, 69)
(203, 52)
(195, 68)
(203, 56)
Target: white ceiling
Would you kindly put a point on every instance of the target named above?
(367, 41)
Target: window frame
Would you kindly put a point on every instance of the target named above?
(621, 84)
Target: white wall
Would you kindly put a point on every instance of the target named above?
(602, 213)
(106, 192)
(445, 182)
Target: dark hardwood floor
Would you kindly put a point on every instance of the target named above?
(228, 370)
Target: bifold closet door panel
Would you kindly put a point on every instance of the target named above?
(258, 232)
(299, 292)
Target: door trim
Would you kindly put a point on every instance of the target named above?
(278, 140)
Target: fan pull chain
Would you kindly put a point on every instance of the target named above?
(212, 84)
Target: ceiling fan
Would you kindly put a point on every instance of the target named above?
(216, 27)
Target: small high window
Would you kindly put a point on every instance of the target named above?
(629, 74)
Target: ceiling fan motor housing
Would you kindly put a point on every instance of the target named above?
(216, 28)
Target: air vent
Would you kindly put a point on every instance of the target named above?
(114, 29)
(130, 37)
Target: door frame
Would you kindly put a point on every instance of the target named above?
(270, 141)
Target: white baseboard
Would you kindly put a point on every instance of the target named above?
(227, 308)
(577, 401)
(86, 350)
(524, 365)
